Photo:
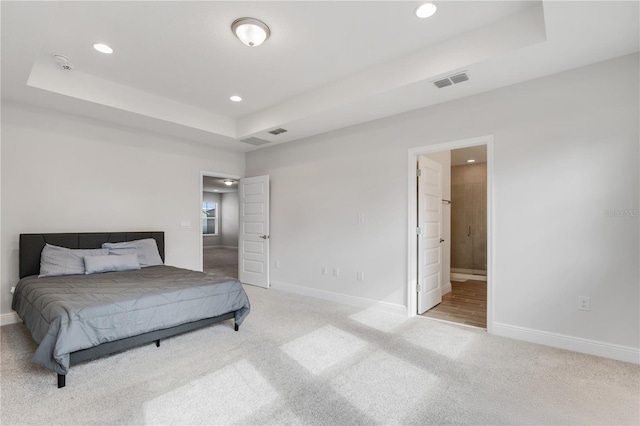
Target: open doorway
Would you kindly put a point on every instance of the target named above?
(464, 222)
(220, 224)
(450, 232)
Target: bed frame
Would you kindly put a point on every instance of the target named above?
(31, 246)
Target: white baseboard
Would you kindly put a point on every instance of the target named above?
(219, 246)
(562, 341)
(446, 288)
(463, 277)
(10, 318)
(360, 302)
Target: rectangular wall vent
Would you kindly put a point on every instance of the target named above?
(452, 79)
(255, 141)
(277, 131)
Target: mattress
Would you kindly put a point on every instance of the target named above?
(69, 313)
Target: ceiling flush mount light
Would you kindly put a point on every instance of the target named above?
(235, 98)
(229, 182)
(426, 10)
(250, 31)
(103, 48)
(471, 161)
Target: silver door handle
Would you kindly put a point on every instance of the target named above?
(264, 237)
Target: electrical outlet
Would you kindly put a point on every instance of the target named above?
(336, 272)
(584, 303)
(276, 264)
(13, 289)
(360, 276)
(323, 270)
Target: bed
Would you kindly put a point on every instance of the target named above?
(76, 318)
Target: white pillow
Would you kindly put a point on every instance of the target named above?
(56, 260)
(96, 264)
(146, 249)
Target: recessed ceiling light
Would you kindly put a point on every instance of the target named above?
(235, 98)
(471, 161)
(103, 48)
(426, 10)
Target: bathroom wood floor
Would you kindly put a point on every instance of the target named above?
(465, 304)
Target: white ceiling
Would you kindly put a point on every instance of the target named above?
(460, 157)
(327, 65)
(216, 184)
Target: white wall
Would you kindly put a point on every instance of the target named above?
(212, 240)
(566, 150)
(64, 173)
(229, 217)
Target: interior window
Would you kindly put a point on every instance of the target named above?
(209, 218)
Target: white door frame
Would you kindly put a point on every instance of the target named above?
(204, 173)
(414, 153)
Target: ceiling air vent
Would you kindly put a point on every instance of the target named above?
(443, 83)
(278, 131)
(452, 79)
(255, 141)
(459, 78)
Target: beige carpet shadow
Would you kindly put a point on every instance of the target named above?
(298, 360)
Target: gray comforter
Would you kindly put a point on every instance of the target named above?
(69, 313)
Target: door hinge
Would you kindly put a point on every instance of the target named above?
(418, 231)
(418, 172)
(418, 288)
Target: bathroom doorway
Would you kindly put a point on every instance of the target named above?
(463, 255)
(465, 301)
(219, 223)
(469, 213)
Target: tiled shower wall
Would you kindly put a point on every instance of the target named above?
(469, 219)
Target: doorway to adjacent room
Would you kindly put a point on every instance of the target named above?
(220, 224)
(450, 232)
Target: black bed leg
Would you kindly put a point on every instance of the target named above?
(61, 380)
(236, 327)
(158, 343)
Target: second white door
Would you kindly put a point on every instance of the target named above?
(253, 253)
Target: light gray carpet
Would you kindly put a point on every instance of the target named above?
(298, 360)
(220, 261)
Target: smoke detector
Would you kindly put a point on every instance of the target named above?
(63, 62)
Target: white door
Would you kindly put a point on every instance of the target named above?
(429, 232)
(253, 253)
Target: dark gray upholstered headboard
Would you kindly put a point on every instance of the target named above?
(31, 245)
